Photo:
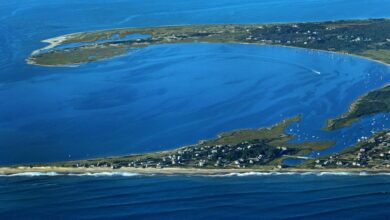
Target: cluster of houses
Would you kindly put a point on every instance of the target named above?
(242, 155)
(286, 34)
(279, 34)
(372, 153)
(301, 35)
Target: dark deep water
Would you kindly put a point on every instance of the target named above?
(251, 196)
(169, 95)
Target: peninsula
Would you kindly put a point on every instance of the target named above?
(263, 148)
(377, 101)
(248, 150)
(367, 38)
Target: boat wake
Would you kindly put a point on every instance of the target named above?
(316, 72)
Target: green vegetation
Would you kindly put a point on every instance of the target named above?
(274, 134)
(374, 102)
(380, 54)
(249, 148)
(87, 54)
(369, 38)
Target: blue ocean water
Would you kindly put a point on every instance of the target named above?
(166, 96)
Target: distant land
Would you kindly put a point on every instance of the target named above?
(367, 38)
(261, 149)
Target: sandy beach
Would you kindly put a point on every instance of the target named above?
(168, 171)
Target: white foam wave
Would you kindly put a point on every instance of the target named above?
(337, 174)
(33, 174)
(234, 174)
(300, 173)
(37, 174)
(254, 174)
(126, 174)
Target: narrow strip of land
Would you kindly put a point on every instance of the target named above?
(263, 148)
(367, 38)
(241, 151)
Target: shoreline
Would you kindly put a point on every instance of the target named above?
(335, 52)
(56, 43)
(10, 171)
